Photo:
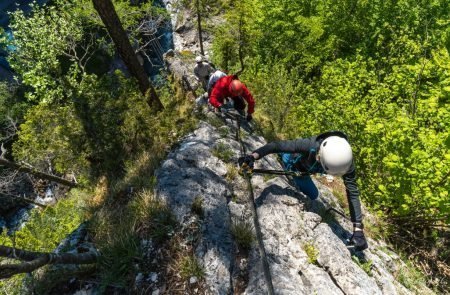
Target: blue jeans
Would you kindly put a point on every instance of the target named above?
(303, 183)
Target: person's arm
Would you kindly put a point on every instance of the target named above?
(358, 239)
(210, 69)
(215, 97)
(196, 73)
(352, 191)
(285, 146)
(250, 101)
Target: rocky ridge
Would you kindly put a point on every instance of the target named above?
(290, 223)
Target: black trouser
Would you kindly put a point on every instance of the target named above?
(239, 103)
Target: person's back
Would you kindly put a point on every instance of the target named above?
(230, 86)
(202, 71)
(203, 99)
(213, 79)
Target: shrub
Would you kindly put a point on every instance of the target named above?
(311, 252)
(242, 231)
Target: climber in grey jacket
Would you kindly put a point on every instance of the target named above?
(202, 71)
(328, 153)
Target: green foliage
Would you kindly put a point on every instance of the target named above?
(51, 135)
(410, 277)
(76, 118)
(197, 206)
(235, 36)
(365, 265)
(14, 285)
(11, 104)
(242, 231)
(118, 230)
(41, 40)
(97, 118)
(223, 152)
(153, 216)
(45, 230)
(311, 252)
(80, 119)
(189, 266)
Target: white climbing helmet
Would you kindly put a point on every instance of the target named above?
(335, 155)
(198, 59)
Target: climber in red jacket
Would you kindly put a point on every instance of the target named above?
(230, 86)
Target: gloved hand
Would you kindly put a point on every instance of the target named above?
(249, 118)
(247, 161)
(358, 240)
(222, 109)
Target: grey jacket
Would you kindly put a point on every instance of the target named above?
(307, 148)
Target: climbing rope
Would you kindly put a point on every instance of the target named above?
(251, 196)
(279, 172)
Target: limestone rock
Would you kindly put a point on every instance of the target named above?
(291, 224)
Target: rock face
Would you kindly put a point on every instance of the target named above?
(304, 243)
(184, 25)
(180, 61)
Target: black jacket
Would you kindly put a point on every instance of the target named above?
(306, 149)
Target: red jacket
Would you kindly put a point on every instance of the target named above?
(222, 89)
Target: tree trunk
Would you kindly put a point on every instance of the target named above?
(108, 14)
(241, 44)
(199, 23)
(36, 173)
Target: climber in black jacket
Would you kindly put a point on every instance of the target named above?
(328, 153)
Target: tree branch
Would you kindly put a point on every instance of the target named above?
(36, 173)
(35, 260)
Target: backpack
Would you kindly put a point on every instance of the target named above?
(214, 78)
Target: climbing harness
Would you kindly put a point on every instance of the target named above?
(251, 196)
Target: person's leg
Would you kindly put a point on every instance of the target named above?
(303, 183)
(307, 186)
(239, 104)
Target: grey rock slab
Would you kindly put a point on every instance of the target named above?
(192, 171)
(280, 216)
(335, 258)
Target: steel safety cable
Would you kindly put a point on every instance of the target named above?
(251, 197)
